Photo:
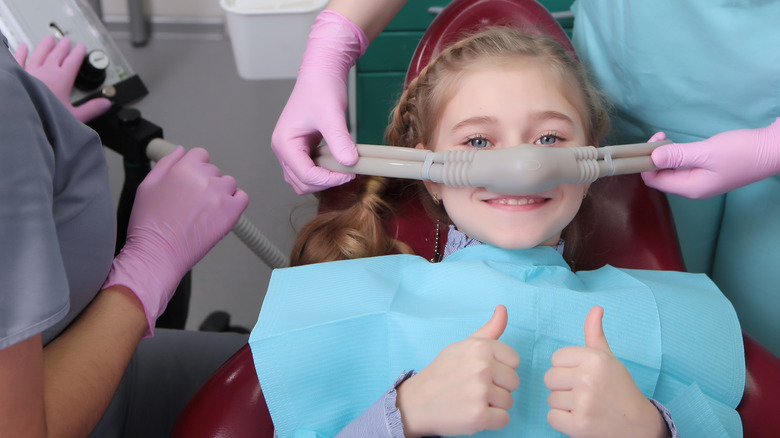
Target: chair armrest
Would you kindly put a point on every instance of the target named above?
(229, 404)
(761, 401)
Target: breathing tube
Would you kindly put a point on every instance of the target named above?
(518, 170)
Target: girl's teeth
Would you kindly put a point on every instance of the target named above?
(515, 201)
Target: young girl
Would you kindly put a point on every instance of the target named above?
(333, 337)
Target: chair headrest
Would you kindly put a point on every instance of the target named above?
(463, 17)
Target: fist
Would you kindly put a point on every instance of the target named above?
(466, 389)
(593, 394)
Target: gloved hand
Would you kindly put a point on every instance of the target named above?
(56, 65)
(724, 162)
(317, 105)
(182, 209)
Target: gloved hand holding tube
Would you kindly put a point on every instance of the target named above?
(182, 209)
(724, 162)
(317, 105)
(56, 65)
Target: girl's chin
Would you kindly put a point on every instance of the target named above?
(523, 242)
(512, 245)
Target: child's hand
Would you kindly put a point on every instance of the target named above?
(466, 389)
(593, 393)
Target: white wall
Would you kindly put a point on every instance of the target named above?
(172, 8)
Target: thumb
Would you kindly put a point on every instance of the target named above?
(165, 164)
(21, 54)
(689, 155)
(669, 156)
(91, 109)
(339, 141)
(494, 328)
(594, 332)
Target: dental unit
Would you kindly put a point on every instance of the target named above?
(517, 170)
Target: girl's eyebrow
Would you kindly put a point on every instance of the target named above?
(479, 120)
(547, 115)
(535, 117)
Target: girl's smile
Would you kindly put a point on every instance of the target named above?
(528, 202)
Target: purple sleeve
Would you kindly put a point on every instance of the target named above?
(667, 418)
(381, 420)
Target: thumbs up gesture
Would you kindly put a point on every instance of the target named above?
(466, 389)
(593, 394)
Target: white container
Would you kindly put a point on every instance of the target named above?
(269, 36)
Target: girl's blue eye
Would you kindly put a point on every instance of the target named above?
(478, 142)
(547, 140)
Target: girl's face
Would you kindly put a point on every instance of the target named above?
(500, 106)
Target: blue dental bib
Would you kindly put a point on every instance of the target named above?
(332, 338)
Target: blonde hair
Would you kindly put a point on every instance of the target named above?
(353, 232)
(358, 230)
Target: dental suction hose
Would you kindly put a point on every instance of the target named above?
(522, 169)
(243, 229)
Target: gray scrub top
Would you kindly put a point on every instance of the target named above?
(57, 220)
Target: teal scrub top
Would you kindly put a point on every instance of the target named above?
(693, 69)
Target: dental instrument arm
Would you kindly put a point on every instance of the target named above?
(522, 169)
(244, 230)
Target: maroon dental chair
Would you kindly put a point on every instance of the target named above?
(630, 226)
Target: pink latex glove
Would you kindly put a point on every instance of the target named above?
(56, 65)
(182, 209)
(724, 162)
(317, 105)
